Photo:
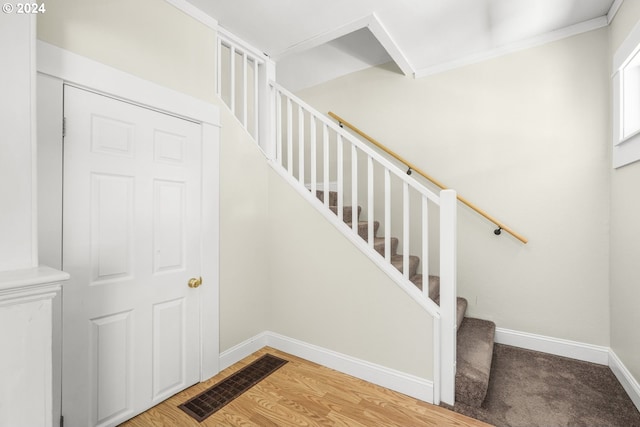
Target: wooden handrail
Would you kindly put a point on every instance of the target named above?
(412, 167)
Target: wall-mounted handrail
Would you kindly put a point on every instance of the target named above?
(412, 167)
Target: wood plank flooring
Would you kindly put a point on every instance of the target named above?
(302, 393)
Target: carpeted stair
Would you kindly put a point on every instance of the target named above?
(475, 336)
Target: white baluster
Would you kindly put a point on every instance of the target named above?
(325, 165)
(370, 200)
(279, 127)
(314, 166)
(244, 90)
(232, 73)
(354, 188)
(256, 102)
(218, 68)
(289, 136)
(387, 215)
(405, 228)
(425, 246)
(340, 165)
(300, 145)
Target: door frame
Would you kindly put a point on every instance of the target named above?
(69, 68)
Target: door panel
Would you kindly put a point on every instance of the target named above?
(168, 329)
(110, 365)
(131, 242)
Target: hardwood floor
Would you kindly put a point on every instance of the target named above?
(302, 393)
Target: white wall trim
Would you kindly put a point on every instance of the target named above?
(628, 382)
(242, 350)
(194, 12)
(552, 36)
(97, 77)
(559, 347)
(392, 379)
(384, 37)
(613, 10)
(421, 388)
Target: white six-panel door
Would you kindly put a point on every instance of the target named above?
(131, 242)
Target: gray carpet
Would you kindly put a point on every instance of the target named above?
(474, 354)
(529, 388)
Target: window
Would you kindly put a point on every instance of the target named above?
(626, 100)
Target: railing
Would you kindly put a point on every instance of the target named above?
(316, 155)
(411, 167)
(241, 82)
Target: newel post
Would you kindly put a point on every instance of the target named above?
(448, 269)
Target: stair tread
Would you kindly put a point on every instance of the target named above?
(434, 285)
(347, 212)
(398, 262)
(362, 222)
(379, 244)
(475, 337)
(363, 228)
(474, 355)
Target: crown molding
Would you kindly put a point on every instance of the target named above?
(195, 13)
(613, 10)
(542, 39)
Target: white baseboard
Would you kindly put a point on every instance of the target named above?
(408, 384)
(628, 382)
(421, 388)
(242, 350)
(559, 347)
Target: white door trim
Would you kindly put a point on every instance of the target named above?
(97, 77)
(94, 76)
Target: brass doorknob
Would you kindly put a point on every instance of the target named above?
(194, 283)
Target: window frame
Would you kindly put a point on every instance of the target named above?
(626, 142)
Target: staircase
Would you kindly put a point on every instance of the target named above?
(311, 152)
(475, 336)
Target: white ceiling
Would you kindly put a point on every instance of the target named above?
(313, 41)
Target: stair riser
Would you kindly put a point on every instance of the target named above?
(474, 355)
(434, 285)
(333, 197)
(398, 263)
(363, 229)
(347, 211)
(379, 246)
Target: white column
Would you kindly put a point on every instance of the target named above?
(18, 245)
(266, 74)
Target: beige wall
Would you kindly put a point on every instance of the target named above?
(244, 244)
(262, 285)
(524, 136)
(154, 40)
(148, 38)
(625, 232)
(326, 292)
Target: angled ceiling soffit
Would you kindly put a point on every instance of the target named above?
(370, 22)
